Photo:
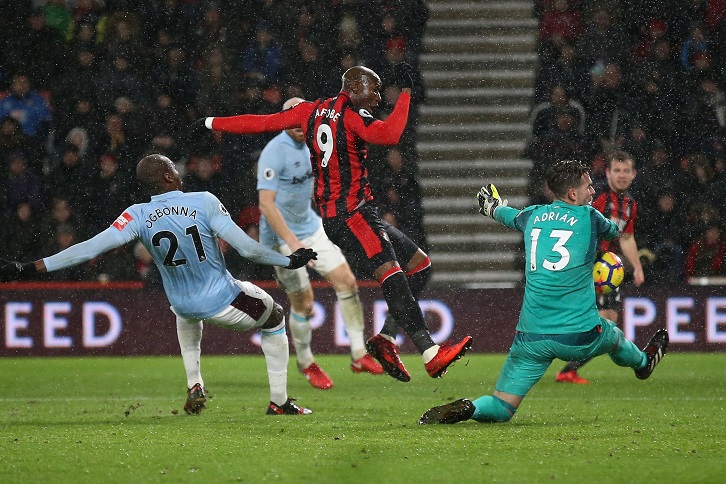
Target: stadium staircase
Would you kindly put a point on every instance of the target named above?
(478, 65)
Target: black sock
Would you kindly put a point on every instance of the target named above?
(574, 365)
(416, 282)
(405, 311)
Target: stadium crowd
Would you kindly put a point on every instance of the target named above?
(88, 87)
(648, 77)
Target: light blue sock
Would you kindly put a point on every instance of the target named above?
(492, 409)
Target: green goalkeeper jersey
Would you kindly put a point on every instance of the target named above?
(560, 241)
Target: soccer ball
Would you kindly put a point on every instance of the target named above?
(608, 273)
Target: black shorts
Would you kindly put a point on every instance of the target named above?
(367, 238)
(609, 301)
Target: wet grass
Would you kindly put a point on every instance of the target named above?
(121, 420)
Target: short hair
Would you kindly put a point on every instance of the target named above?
(618, 155)
(563, 175)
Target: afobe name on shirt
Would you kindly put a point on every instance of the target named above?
(176, 210)
(327, 113)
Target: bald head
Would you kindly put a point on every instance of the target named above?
(359, 74)
(293, 101)
(158, 173)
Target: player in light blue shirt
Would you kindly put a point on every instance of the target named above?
(288, 223)
(181, 231)
(559, 318)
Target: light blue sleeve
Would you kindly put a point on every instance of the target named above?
(221, 224)
(84, 251)
(269, 166)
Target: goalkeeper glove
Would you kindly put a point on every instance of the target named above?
(489, 199)
(403, 73)
(301, 257)
(13, 270)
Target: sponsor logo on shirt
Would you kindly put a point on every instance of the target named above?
(364, 113)
(122, 221)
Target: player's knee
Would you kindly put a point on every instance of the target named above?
(275, 318)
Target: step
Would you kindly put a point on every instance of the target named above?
(431, 114)
(433, 58)
(469, 79)
(473, 128)
(477, 279)
(469, 149)
(495, 164)
(461, 204)
(480, 96)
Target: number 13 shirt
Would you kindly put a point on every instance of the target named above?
(560, 241)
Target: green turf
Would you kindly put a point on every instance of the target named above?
(108, 420)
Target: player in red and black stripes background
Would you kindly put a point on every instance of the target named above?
(337, 131)
(618, 205)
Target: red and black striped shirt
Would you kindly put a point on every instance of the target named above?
(336, 133)
(621, 209)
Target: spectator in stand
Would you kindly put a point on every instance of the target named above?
(700, 176)
(86, 12)
(658, 172)
(609, 109)
(70, 179)
(560, 23)
(117, 141)
(121, 79)
(705, 115)
(263, 58)
(603, 41)
(167, 121)
(308, 70)
(19, 237)
(563, 142)
(211, 32)
(28, 107)
(110, 193)
(568, 71)
(656, 96)
(661, 232)
(218, 83)
(401, 196)
(58, 17)
(23, 185)
(656, 31)
(696, 43)
(37, 50)
(12, 139)
(706, 256)
(83, 66)
(700, 217)
(176, 78)
(82, 113)
(204, 176)
(123, 37)
(543, 117)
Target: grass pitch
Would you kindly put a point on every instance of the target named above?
(121, 420)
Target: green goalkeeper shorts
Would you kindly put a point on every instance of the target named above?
(531, 354)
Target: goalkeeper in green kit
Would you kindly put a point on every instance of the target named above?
(559, 317)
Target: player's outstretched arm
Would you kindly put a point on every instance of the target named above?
(489, 199)
(11, 270)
